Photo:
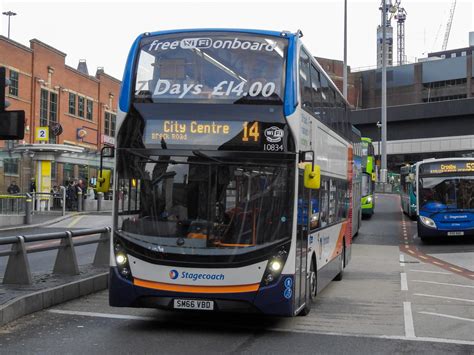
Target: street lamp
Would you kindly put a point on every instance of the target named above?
(9, 14)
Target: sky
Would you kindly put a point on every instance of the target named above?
(102, 31)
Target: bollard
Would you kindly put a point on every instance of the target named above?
(28, 209)
(80, 200)
(63, 191)
(100, 197)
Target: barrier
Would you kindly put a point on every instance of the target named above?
(18, 270)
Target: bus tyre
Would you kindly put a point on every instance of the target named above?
(311, 289)
(343, 255)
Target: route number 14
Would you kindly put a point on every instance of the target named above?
(251, 132)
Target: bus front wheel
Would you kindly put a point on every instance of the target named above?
(312, 289)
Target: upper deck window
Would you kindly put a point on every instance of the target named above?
(213, 67)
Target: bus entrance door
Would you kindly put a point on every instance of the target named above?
(301, 283)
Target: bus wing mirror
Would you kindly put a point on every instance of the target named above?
(312, 176)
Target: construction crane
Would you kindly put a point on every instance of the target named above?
(401, 16)
(448, 25)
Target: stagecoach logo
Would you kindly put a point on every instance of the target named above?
(274, 134)
(174, 274)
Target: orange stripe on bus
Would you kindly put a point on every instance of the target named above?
(338, 249)
(195, 289)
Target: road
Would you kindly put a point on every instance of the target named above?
(391, 300)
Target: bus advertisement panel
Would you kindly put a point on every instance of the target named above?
(232, 181)
(445, 197)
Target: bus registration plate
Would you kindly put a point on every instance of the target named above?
(456, 233)
(194, 304)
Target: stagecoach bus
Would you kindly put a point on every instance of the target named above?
(445, 197)
(408, 190)
(233, 178)
(368, 177)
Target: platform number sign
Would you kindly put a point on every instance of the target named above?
(42, 134)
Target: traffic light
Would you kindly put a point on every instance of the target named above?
(12, 123)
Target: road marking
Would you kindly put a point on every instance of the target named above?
(423, 257)
(408, 317)
(448, 316)
(283, 330)
(443, 283)
(74, 221)
(402, 260)
(453, 268)
(403, 281)
(411, 251)
(432, 272)
(444, 297)
(101, 315)
(437, 263)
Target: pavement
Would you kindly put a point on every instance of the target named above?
(45, 219)
(48, 289)
(389, 301)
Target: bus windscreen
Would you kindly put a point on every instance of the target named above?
(212, 67)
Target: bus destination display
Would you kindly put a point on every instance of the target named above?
(448, 167)
(252, 135)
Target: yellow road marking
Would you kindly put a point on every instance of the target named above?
(423, 257)
(74, 222)
(411, 251)
(437, 263)
(453, 268)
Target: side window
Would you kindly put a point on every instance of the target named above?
(324, 203)
(305, 83)
(315, 90)
(332, 202)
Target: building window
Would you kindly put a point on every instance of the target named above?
(54, 170)
(463, 53)
(89, 108)
(53, 107)
(13, 88)
(453, 55)
(48, 110)
(109, 124)
(72, 103)
(10, 166)
(80, 106)
(44, 108)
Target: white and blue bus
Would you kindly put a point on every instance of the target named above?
(233, 174)
(445, 197)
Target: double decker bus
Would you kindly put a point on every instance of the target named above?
(233, 174)
(408, 190)
(445, 197)
(368, 177)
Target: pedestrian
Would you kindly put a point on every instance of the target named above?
(13, 188)
(71, 197)
(32, 185)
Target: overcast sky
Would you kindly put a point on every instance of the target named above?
(102, 31)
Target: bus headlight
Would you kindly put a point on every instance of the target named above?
(428, 222)
(122, 261)
(274, 267)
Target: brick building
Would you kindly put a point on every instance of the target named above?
(54, 95)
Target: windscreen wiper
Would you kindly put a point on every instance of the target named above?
(200, 154)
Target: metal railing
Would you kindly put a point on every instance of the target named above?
(47, 202)
(18, 270)
(14, 204)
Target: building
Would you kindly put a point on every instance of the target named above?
(430, 107)
(56, 99)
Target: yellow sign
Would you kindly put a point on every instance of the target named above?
(42, 134)
(45, 184)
